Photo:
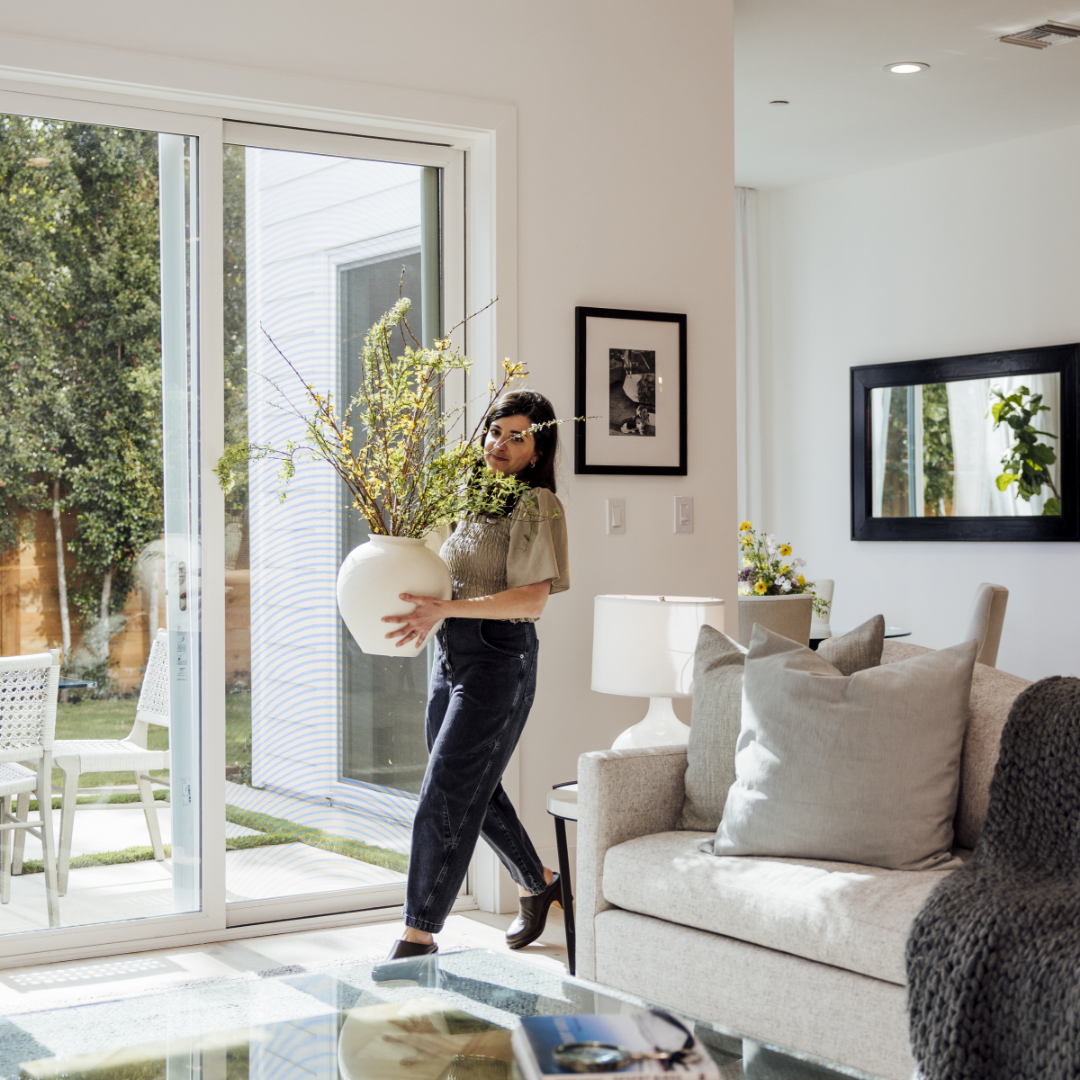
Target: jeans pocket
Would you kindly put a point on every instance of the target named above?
(505, 637)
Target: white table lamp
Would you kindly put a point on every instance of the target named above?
(643, 646)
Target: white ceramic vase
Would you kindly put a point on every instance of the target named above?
(371, 580)
(788, 616)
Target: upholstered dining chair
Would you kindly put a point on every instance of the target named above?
(986, 621)
(130, 754)
(29, 686)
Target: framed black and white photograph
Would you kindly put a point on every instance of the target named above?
(631, 389)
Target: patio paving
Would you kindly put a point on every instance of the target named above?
(296, 869)
(144, 889)
(372, 816)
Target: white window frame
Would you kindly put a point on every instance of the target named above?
(79, 84)
(452, 164)
(82, 940)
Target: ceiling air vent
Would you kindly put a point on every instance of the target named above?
(1044, 35)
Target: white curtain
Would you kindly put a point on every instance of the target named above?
(880, 403)
(978, 448)
(916, 451)
(969, 402)
(747, 381)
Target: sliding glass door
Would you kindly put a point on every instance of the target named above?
(279, 765)
(99, 543)
(325, 745)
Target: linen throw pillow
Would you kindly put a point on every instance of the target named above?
(714, 728)
(862, 768)
(856, 650)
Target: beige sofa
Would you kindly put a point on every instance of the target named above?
(803, 954)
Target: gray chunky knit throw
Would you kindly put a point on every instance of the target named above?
(993, 959)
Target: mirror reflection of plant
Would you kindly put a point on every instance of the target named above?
(937, 454)
(1027, 464)
(769, 570)
(937, 451)
(390, 447)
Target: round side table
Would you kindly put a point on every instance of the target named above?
(562, 806)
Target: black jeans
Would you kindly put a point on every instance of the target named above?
(483, 682)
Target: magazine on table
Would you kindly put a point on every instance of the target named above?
(610, 1044)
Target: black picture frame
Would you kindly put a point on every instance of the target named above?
(658, 346)
(1063, 359)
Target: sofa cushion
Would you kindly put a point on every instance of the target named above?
(862, 768)
(856, 650)
(850, 916)
(714, 728)
(992, 695)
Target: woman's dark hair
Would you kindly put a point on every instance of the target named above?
(537, 409)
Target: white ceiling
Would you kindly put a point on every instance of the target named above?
(848, 115)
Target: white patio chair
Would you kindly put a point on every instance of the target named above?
(29, 686)
(75, 756)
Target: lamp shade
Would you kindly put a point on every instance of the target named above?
(643, 646)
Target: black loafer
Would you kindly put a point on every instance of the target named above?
(408, 960)
(532, 915)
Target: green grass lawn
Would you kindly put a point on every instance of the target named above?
(97, 719)
(104, 719)
(238, 731)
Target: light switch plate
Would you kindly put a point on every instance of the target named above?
(616, 516)
(684, 513)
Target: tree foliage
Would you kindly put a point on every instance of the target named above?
(80, 345)
(235, 260)
(113, 345)
(36, 193)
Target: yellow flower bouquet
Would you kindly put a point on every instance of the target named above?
(769, 570)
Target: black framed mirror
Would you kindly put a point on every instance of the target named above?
(979, 447)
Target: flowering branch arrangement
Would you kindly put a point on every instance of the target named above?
(769, 570)
(391, 445)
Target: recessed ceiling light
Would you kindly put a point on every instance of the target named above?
(779, 102)
(908, 67)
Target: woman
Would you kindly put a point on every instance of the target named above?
(483, 680)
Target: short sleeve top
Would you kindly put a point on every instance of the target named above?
(491, 554)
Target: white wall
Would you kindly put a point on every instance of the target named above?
(975, 251)
(624, 180)
(307, 215)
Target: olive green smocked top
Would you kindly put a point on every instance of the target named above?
(492, 554)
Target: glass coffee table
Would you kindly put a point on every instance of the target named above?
(449, 1020)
